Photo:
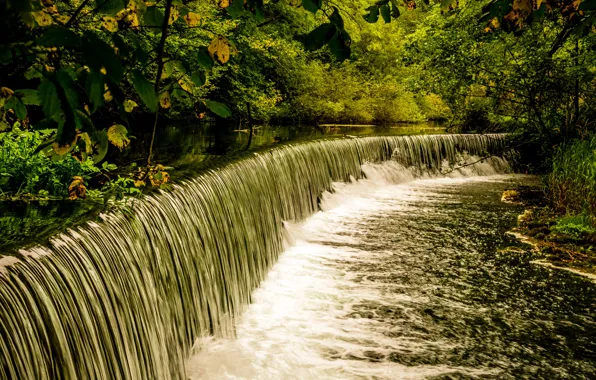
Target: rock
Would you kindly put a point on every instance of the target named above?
(510, 196)
(525, 218)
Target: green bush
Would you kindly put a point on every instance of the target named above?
(25, 171)
(575, 225)
(572, 181)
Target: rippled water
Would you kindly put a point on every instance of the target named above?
(407, 282)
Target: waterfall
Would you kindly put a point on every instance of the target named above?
(127, 297)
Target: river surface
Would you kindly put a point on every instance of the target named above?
(409, 281)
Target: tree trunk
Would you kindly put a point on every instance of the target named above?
(160, 53)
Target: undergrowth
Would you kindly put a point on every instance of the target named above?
(572, 181)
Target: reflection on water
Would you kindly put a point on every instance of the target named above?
(406, 282)
(189, 149)
(192, 147)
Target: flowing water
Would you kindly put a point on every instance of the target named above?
(406, 282)
(397, 277)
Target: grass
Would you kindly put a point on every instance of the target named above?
(572, 181)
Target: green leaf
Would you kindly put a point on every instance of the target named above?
(198, 78)
(95, 87)
(373, 14)
(99, 55)
(35, 71)
(110, 7)
(320, 36)
(236, 8)
(386, 13)
(394, 10)
(446, 4)
(5, 56)
(312, 5)
(336, 19)
(50, 102)
(145, 89)
(587, 5)
(68, 86)
(217, 108)
(85, 122)
(339, 46)
(205, 60)
(45, 124)
(17, 105)
(100, 145)
(59, 36)
(29, 97)
(153, 17)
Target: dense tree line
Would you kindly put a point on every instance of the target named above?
(86, 72)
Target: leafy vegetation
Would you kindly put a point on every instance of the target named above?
(94, 72)
(572, 182)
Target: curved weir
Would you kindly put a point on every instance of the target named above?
(128, 297)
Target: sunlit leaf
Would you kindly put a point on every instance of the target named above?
(192, 19)
(130, 105)
(219, 49)
(109, 23)
(42, 18)
(164, 100)
(118, 136)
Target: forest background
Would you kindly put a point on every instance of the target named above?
(80, 77)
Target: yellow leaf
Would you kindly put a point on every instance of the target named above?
(164, 100)
(88, 144)
(174, 15)
(130, 105)
(6, 92)
(122, 14)
(62, 19)
(61, 149)
(224, 3)
(109, 23)
(186, 85)
(219, 49)
(77, 188)
(107, 96)
(138, 6)
(118, 135)
(42, 18)
(192, 19)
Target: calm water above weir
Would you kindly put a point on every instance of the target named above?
(407, 282)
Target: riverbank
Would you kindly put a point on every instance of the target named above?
(560, 241)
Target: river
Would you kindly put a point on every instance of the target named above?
(409, 281)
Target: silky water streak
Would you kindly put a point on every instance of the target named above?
(127, 298)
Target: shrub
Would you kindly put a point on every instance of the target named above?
(23, 170)
(575, 225)
(571, 184)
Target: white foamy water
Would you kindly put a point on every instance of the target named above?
(311, 318)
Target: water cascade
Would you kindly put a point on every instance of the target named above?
(127, 297)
